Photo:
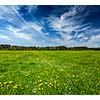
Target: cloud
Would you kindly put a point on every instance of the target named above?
(70, 21)
(4, 37)
(32, 8)
(17, 33)
(65, 28)
(31, 31)
(94, 41)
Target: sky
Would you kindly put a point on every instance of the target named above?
(50, 25)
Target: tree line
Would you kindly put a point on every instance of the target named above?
(11, 47)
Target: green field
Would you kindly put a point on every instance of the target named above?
(50, 72)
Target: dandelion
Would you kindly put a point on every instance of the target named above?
(5, 82)
(34, 82)
(39, 80)
(55, 81)
(1, 88)
(1, 84)
(42, 89)
(39, 89)
(45, 83)
(41, 84)
(76, 75)
(10, 82)
(15, 87)
(7, 85)
(26, 75)
(22, 88)
(49, 86)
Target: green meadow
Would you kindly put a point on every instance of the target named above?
(49, 72)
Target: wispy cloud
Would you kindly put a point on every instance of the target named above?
(67, 27)
(4, 37)
(17, 33)
(19, 27)
(68, 22)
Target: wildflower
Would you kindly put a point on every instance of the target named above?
(22, 88)
(26, 75)
(1, 84)
(34, 82)
(40, 84)
(1, 88)
(15, 87)
(10, 82)
(55, 81)
(7, 85)
(5, 82)
(45, 83)
(40, 81)
(39, 89)
(42, 89)
(49, 86)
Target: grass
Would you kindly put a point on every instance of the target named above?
(50, 72)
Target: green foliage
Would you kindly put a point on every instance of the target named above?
(50, 48)
(57, 72)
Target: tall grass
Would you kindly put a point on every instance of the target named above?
(47, 72)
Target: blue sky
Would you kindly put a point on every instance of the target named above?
(50, 25)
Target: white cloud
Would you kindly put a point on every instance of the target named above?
(95, 38)
(62, 25)
(36, 26)
(24, 29)
(4, 37)
(32, 8)
(17, 33)
(66, 23)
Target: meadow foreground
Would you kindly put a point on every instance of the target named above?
(49, 72)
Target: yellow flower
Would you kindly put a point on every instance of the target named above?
(55, 81)
(39, 80)
(7, 85)
(39, 89)
(10, 82)
(1, 84)
(42, 89)
(40, 84)
(1, 88)
(34, 82)
(45, 83)
(26, 75)
(5, 82)
(15, 87)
